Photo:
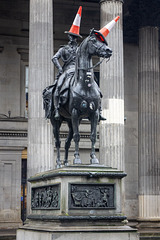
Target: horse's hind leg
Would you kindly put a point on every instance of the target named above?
(94, 122)
(56, 126)
(76, 136)
(68, 142)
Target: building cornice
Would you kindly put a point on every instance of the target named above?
(13, 134)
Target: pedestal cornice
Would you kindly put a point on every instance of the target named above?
(83, 171)
(77, 218)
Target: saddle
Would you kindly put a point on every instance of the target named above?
(63, 85)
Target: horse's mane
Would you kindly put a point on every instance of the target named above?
(79, 49)
(81, 45)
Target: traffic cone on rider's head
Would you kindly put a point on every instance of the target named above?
(74, 30)
(103, 32)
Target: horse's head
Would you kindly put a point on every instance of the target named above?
(98, 47)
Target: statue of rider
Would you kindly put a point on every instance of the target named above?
(67, 54)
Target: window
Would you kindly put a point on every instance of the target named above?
(26, 91)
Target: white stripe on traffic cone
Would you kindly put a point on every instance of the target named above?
(106, 29)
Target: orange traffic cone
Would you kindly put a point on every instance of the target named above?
(106, 29)
(74, 30)
(103, 32)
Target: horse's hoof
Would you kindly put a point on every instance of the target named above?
(77, 161)
(66, 163)
(94, 160)
(58, 166)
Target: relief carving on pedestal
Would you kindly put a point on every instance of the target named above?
(100, 196)
(46, 197)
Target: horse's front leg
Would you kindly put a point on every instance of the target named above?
(94, 121)
(76, 135)
(56, 126)
(68, 142)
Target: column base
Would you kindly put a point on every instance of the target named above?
(149, 229)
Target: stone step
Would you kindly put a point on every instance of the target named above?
(7, 234)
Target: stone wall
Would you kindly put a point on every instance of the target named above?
(13, 139)
(10, 80)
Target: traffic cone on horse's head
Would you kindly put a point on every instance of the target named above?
(103, 32)
(74, 30)
(106, 29)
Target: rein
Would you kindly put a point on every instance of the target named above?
(97, 64)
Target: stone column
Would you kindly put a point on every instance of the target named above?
(40, 147)
(149, 175)
(112, 87)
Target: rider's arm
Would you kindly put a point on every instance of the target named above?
(56, 62)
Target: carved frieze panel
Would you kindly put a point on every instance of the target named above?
(91, 196)
(46, 197)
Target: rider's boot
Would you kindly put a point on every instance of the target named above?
(101, 118)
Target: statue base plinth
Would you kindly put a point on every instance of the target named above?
(77, 202)
(40, 231)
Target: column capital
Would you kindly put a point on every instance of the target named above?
(102, 1)
(24, 53)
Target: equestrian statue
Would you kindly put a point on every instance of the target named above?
(75, 94)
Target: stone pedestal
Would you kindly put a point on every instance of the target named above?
(83, 233)
(77, 202)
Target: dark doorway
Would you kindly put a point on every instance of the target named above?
(24, 190)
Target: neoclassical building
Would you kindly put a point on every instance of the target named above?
(129, 140)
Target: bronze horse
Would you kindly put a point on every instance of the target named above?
(83, 99)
